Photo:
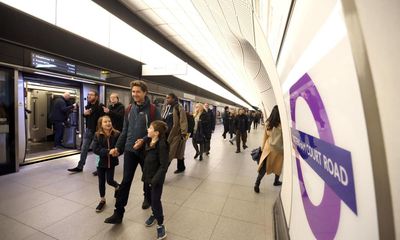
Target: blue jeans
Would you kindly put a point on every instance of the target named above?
(87, 140)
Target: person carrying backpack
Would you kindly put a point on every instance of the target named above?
(174, 116)
(137, 119)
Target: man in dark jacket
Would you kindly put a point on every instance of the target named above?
(211, 129)
(241, 124)
(225, 121)
(116, 111)
(93, 111)
(59, 115)
(136, 122)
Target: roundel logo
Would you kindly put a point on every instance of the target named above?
(331, 163)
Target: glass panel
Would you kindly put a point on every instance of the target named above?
(6, 120)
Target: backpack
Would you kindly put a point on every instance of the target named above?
(152, 112)
(190, 120)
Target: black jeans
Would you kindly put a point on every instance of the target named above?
(240, 136)
(261, 173)
(58, 133)
(104, 173)
(153, 194)
(131, 161)
(207, 146)
(255, 125)
(226, 130)
(196, 147)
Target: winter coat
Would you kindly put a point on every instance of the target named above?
(97, 112)
(102, 145)
(225, 119)
(135, 127)
(202, 132)
(60, 110)
(155, 162)
(211, 118)
(177, 133)
(232, 129)
(241, 123)
(116, 113)
(272, 150)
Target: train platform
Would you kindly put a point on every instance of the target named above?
(212, 199)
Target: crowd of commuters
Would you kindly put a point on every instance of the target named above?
(151, 138)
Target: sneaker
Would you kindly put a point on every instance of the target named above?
(256, 189)
(237, 151)
(145, 204)
(101, 205)
(196, 155)
(161, 232)
(114, 219)
(245, 146)
(201, 158)
(150, 221)
(75, 170)
(94, 173)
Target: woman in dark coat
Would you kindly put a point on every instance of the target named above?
(201, 130)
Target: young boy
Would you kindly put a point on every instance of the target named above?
(154, 170)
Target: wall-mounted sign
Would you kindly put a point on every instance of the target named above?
(53, 64)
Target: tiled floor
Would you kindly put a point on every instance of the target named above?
(212, 199)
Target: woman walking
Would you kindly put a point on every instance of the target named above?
(201, 127)
(271, 159)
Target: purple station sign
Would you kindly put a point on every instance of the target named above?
(331, 163)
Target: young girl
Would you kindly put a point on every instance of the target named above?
(104, 140)
(154, 170)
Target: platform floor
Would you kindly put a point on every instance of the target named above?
(212, 199)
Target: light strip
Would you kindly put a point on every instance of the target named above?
(332, 32)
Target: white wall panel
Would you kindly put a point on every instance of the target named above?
(317, 45)
(380, 21)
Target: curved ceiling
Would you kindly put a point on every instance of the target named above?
(218, 34)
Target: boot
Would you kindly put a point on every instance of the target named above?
(180, 166)
(277, 182)
(116, 218)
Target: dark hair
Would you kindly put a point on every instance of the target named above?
(95, 92)
(274, 119)
(226, 108)
(173, 96)
(160, 127)
(139, 83)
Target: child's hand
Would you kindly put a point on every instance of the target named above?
(138, 144)
(114, 152)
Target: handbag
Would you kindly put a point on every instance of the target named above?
(256, 154)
